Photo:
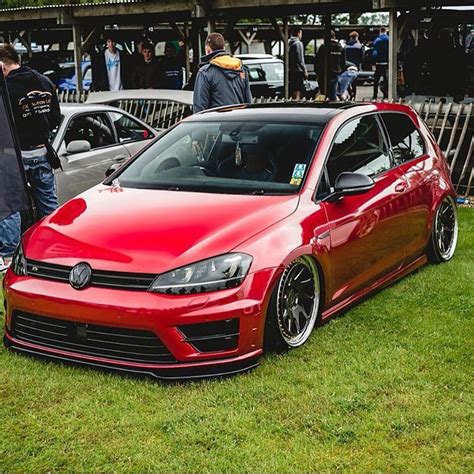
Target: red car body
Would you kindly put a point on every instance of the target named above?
(360, 243)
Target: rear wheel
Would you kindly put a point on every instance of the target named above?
(444, 233)
(294, 305)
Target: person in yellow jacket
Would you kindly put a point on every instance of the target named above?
(221, 79)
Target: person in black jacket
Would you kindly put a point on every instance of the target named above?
(337, 64)
(148, 71)
(36, 112)
(171, 68)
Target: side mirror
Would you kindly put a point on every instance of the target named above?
(112, 169)
(78, 146)
(350, 184)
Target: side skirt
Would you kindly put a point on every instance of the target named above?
(378, 285)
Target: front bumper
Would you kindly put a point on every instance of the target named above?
(161, 314)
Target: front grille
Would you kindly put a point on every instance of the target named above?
(100, 278)
(213, 337)
(131, 345)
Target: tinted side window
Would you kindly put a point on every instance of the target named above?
(359, 147)
(128, 130)
(94, 128)
(404, 136)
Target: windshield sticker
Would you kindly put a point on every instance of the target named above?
(298, 171)
(296, 181)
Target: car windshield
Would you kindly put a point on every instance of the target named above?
(226, 157)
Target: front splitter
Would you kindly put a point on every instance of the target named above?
(176, 371)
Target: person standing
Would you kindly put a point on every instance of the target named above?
(109, 68)
(297, 68)
(336, 65)
(147, 72)
(171, 68)
(380, 57)
(221, 79)
(354, 52)
(36, 112)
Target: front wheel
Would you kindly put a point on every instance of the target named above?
(444, 233)
(294, 305)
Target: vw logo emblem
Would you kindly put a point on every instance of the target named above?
(80, 276)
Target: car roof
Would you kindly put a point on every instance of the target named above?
(262, 61)
(71, 109)
(288, 111)
(178, 96)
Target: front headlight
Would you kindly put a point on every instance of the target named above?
(19, 262)
(217, 273)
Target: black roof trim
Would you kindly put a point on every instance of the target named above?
(309, 104)
(288, 111)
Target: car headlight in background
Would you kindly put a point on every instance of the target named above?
(19, 262)
(217, 273)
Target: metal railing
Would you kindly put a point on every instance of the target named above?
(159, 114)
(72, 97)
(453, 128)
(450, 123)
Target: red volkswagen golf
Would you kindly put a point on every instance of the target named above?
(237, 230)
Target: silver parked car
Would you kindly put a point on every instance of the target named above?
(90, 139)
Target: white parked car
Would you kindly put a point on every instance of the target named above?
(92, 138)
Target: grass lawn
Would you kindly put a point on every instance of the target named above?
(385, 387)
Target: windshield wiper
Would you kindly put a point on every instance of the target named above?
(258, 192)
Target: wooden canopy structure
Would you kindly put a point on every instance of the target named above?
(190, 19)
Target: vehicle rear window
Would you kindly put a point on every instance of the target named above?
(266, 72)
(405, 138)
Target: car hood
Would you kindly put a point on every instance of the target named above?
(150, 231)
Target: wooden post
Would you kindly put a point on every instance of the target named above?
(283, 34)
(286, 58)
(210, 26)
(76, 38)
(187, 64)
(327, 52)
(392, 55)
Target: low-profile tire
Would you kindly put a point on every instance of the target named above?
(294, 306)
(444, 232)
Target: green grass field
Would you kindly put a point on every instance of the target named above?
(385, 387)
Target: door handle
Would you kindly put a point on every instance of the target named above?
(401, 187)
(119, 158)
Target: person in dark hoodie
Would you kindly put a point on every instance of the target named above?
(147, 72)
(336, 65)
(36, 112)
(297, 67)
(171, 68)
(221, 79)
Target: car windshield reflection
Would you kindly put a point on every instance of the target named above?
(227, 157)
